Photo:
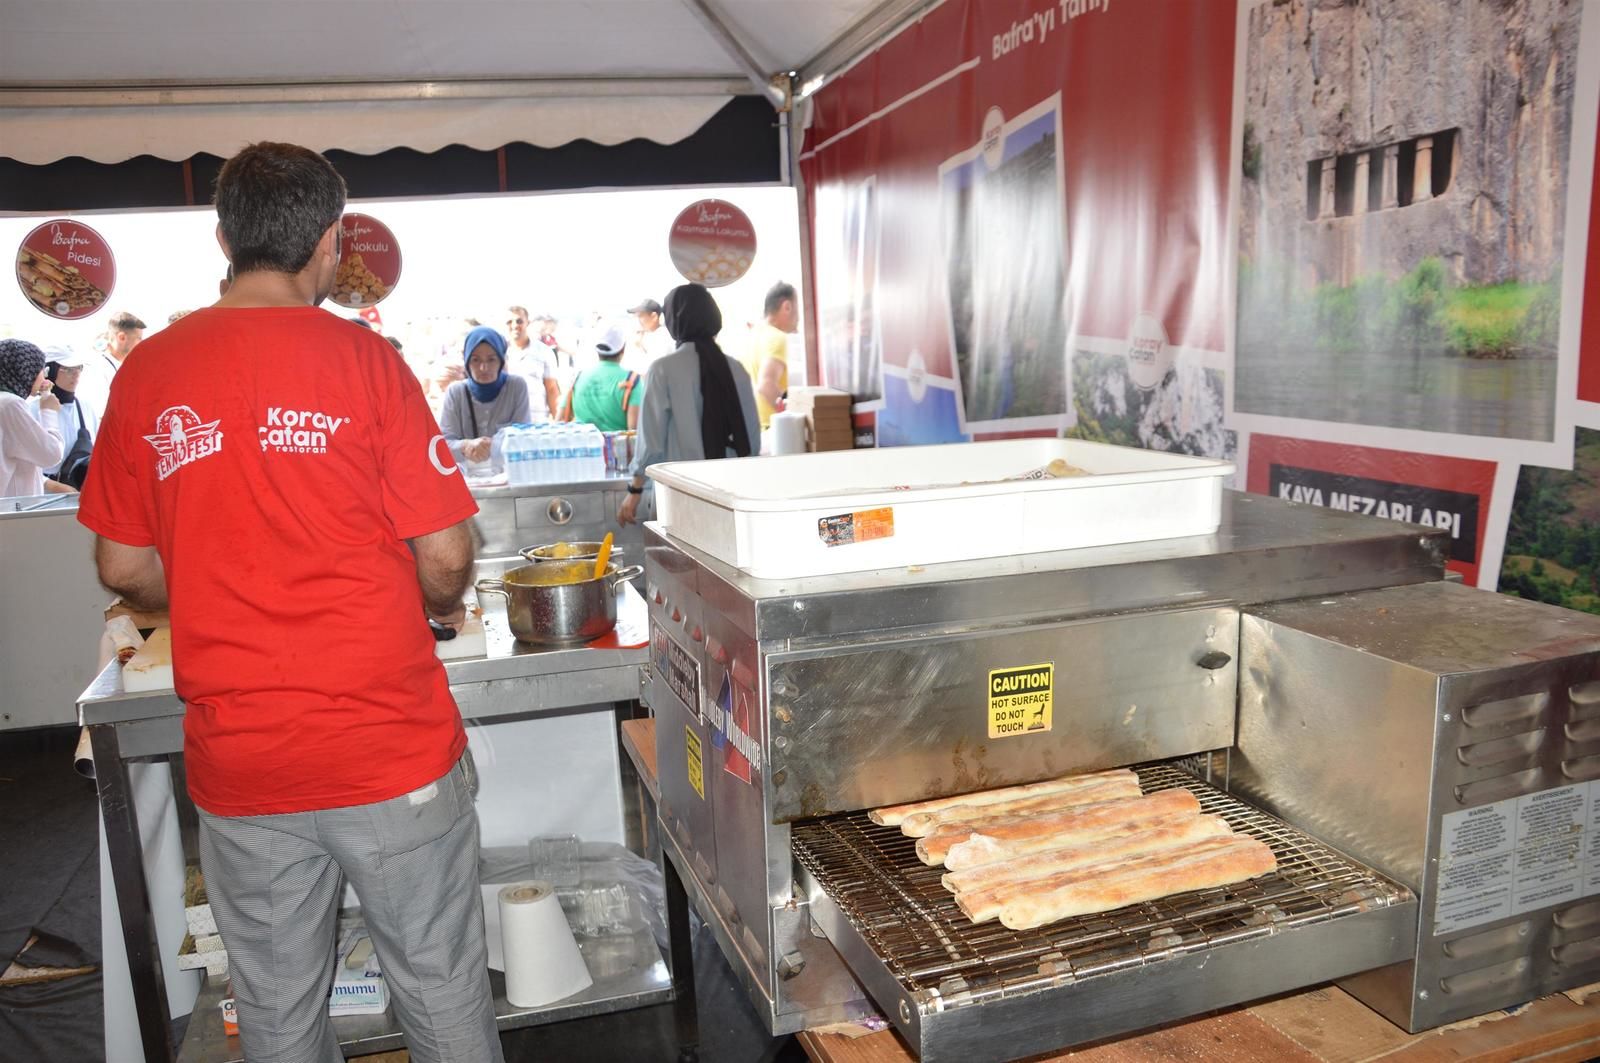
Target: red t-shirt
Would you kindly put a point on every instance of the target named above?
(278, 459)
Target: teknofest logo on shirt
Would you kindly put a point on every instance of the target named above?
(299, 431)
(181, 437)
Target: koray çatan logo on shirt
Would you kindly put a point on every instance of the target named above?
(299, 431)
(181, 437)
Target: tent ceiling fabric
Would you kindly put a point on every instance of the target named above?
(108, 134)
(142, 45)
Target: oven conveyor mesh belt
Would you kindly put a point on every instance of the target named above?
(899, 906)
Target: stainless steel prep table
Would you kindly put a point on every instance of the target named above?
(512, 681)
(513, 517)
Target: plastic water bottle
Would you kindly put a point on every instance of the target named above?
(550, 455)
(509, 457)
(567, 442)
(539, 455)
(597, 453)
(519, 466)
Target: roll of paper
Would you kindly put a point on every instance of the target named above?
(542, 960)
(788, 433)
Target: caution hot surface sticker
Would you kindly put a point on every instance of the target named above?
(1021, 700)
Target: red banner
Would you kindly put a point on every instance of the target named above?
(1589, 335)
(1448, 493)
(1004, 197)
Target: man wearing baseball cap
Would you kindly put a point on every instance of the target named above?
(78, 420)
(651, 341)
(607, 395)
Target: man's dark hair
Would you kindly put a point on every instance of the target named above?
(125, 322)
(274, 202)
(776, 295)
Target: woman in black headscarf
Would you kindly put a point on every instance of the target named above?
(698, 402)
(30, 438)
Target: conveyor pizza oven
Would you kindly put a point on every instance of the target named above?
(1416, 754)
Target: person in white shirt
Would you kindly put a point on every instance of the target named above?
(529, 358)
(651, 341)
(78, 422)
(30, 437)
(123, 333)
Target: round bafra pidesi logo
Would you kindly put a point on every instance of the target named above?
(994, 138)
(712, 242)
(66, 269)
(1150, 356)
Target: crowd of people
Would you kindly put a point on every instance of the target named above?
(51, 400)
(532, 368)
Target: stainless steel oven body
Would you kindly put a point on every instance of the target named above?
(1449, 738)
(785, 709)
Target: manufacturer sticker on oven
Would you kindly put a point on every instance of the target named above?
(1021, 699)
(678, 669)
(862, 526)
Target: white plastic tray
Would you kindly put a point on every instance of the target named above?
(815, 514)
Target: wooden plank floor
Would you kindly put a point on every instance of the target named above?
(1316, 1026)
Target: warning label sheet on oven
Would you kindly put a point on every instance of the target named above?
(1518, 855)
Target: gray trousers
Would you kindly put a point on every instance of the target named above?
(274, 884)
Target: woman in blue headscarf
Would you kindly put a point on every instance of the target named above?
(488, 400)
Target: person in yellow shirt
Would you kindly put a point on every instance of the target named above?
(768, 358)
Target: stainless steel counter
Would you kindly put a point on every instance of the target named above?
(511, 518)
(12, 506)
(559, 487)
(508, 680)
(512, 681)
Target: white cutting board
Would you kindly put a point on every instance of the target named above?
(470, 641)
(151, 667)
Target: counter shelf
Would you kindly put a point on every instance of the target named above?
(501, 685)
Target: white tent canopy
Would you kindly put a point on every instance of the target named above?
(111, 79)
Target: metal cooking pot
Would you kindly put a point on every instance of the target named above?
(558, 603)
(562, 552)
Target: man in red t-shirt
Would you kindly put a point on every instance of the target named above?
(274, 477)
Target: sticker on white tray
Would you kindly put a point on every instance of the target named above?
(862, 526)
